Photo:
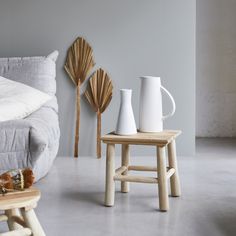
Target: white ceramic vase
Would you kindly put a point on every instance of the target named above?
(150, 105)
(126, 122)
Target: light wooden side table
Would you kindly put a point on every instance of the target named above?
(19, 213)
(161, 140)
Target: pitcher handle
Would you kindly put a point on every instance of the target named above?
(172, 101)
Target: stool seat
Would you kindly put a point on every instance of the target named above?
(19, 199)
(159, 139)
(18, 207)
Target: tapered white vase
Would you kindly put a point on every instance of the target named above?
(126, 123)
(150, 104)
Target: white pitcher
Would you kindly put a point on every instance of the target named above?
(150, 105)
(126, 123)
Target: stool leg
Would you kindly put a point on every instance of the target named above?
(162, 179)
(32, 222)
(174, 179)
(110, 172)
(125, 162)
(12, 225)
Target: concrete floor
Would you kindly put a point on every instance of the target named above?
(73, 192)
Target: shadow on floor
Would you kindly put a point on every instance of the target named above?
(226, 224)
(94, 198)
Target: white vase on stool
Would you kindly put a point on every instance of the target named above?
(126, 123)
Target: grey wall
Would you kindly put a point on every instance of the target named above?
(129, 38)
(216, 68)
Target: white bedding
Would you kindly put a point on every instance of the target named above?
(18, 100)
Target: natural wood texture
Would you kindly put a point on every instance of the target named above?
(110, 172)
(18, 232)
(19, 199)
(120, 170)
(174, 180)
(79, 62)
(99, 95)
(99, 128)
(159, 139)
(136, 179)
(170, 172)
(77, 124)
(32, 222)
(143, 168)
(23, 222)
(125, 159)
(119, 175)
(19, 221)
(11, 213)
(162, 179)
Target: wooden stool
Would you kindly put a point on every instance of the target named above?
(161, 140)
(19, 213)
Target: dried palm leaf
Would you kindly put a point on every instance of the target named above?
(99, 95)
(79, 62)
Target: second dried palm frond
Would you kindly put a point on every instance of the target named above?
(99, 95)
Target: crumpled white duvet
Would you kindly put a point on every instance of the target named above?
(18, 100)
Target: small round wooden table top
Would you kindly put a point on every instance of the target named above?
(19, 199)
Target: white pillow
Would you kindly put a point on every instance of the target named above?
(18, 100)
